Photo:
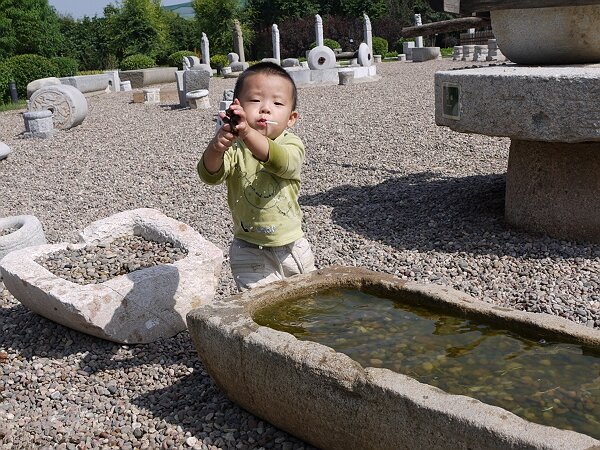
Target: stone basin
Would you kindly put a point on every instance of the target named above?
(139, 307)
(328, 399)
(556, 35)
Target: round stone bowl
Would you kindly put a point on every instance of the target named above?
(559, 35)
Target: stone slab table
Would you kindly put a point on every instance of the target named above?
(552, 116)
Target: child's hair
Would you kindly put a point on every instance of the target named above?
(267, 68)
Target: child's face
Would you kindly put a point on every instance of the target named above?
(268, 97)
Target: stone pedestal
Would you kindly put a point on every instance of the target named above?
(125, 86)
(468, 51)
(421, 54)
(401, 57)
(480, 53)
(458, 53)
(554, 188)
(38, 124)
(198, 99)
(551, 115)
(346, 77)
(152, 95)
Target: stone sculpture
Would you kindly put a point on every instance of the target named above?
(319, 30)
(275, 39)
(238, 40)
(368, 35)
(67, 103)
(205, 50)
(38, 124)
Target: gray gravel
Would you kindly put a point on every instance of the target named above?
(383, 187)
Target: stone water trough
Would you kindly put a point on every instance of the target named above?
(139, 307)
(328, 399)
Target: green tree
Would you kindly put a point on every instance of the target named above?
(137, 28)
(373, 8)
(28, 26)
(265, 13)
(87, 40)
(215, 18)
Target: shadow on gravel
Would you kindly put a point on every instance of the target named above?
(32, 335)
(196, 404)
(432, 212)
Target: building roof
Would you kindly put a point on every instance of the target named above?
(184, 10)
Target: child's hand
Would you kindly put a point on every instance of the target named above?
(223, 139)
(238, 120)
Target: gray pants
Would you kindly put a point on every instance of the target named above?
(253, 265)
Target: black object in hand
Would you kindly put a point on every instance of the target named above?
(232, 119)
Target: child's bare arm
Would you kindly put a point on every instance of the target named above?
(255, 141)
(216, 148)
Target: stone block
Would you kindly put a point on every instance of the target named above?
(139, 307)
(114, 82)
(290, 62)
(88, 83)
(422, 54)
(239, 66)
(38, 124)
(194, 80)
(346, 77)
(554, 188)
(407, 49)
(151, 95)
(553, 104)
(146, 77)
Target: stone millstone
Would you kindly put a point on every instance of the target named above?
(320, 58)
(67, 103)
(139, 307)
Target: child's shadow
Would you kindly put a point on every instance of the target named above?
(432, 212)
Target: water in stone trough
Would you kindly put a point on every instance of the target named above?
(550, 383)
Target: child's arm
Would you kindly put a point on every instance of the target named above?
(216, 148)
(255, 141)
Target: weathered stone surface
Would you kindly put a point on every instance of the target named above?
(194, 80)
(554, 188)
(139, 307)
(554, 104)
(421, 54)
(89, 83)
(560, 35)
(146, 77)
(365, 57)
(329, 400)
(4, 151)
(40, 83)
(320, 58)
(38, 124)
(68, 105)
(28, 232)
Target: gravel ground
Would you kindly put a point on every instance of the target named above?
(383, 187)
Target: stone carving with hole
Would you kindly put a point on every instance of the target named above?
(320, 58)
(139, 307)
(67, 103)
(17, 232)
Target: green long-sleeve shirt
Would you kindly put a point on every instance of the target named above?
(263, 197)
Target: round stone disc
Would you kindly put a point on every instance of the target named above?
(365, 58)
(320, 58)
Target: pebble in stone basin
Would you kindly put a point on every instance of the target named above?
(139, 306)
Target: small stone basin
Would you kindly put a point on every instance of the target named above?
(330, 400)
(556, 35)
(139, 307)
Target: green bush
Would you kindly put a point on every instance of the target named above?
(327, 43)
(137, 61)
(4, 82)
(380, 45)
(26, 68)
(447, 52)
(176, 59)
(221, 59)
(67, 67)
(391, 55)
